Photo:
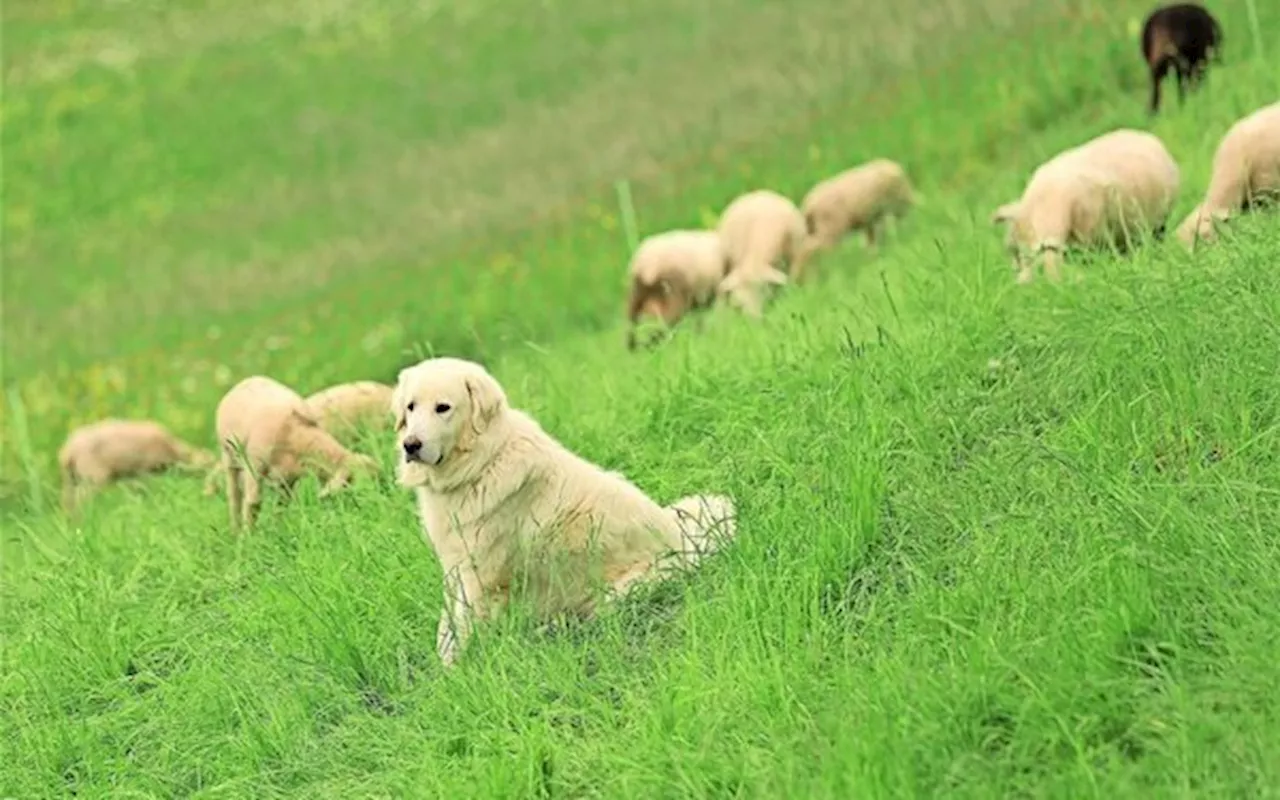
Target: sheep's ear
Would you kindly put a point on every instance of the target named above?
(1004, 213)
(487, 399)
(729, 283)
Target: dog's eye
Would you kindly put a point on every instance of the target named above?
(443, 408)
(410, 406)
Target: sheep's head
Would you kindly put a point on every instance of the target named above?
(441, 406)
(664, 301)
(202, 459)
(1200, 225)
(1018, 235)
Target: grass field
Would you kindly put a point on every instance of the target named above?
(1058, 576)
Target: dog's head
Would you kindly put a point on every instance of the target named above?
(441, 407)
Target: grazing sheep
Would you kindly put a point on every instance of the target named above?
(103, 452)
(1182, 36)
(348, 405)
(761, 232)
(1106, 190)
(510, 511)
(856, 199)
(281, 438)
(1246, 172)
(672, 274)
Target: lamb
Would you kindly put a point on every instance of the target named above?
(1182, 36)
(348, 405)
(280, 437)
(760, 232)
(1108, 189)
(1246, 172)
(106, 451)
(856, 199)
(672, 274)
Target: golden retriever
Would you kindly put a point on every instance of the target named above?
(509, 510)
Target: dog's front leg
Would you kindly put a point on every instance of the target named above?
(457, 617)
(449, 643)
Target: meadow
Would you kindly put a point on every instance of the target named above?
(995, 540)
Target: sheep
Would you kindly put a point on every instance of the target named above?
(103, 452)
(1182, 36)
(1105, 190)
(672, 274)
(760, 232)
(341, 409)
(860, 198)
(348, 405)
(1246, 170)
(281, 437)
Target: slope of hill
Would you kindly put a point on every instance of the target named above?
(994, 540)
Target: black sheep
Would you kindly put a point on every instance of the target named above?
(1182, 36)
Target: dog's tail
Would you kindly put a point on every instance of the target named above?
(707, 521)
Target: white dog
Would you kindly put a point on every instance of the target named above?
(508, 509)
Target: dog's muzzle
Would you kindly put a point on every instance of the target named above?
(416, 453)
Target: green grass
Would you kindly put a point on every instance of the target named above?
(1056, 577)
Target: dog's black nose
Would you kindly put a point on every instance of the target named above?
(412, 448)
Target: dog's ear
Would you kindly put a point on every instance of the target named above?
(1004, 213)
(487, 399)
(397, 400)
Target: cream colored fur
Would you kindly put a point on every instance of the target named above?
(761, 233)
(508, 509)
(268, 433)
(672, 274)
(348, 405)
(858, 199)
(1107, 190)
(1246, 167)
(103, 452)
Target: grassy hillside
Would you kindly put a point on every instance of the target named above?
(994, 539)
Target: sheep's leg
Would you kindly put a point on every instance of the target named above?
(750, 303)
(874, 233)
(1157, 77)
(805, 253)
(86, 489)
(1052, 270)
(211, 479)
(70, 494)
(80, 492)
(252, 496)
(1181, 72)
(1195, 75)
(235, 498)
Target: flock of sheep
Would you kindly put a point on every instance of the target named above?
(1115, 189)
(492, 485)
(259, 422)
